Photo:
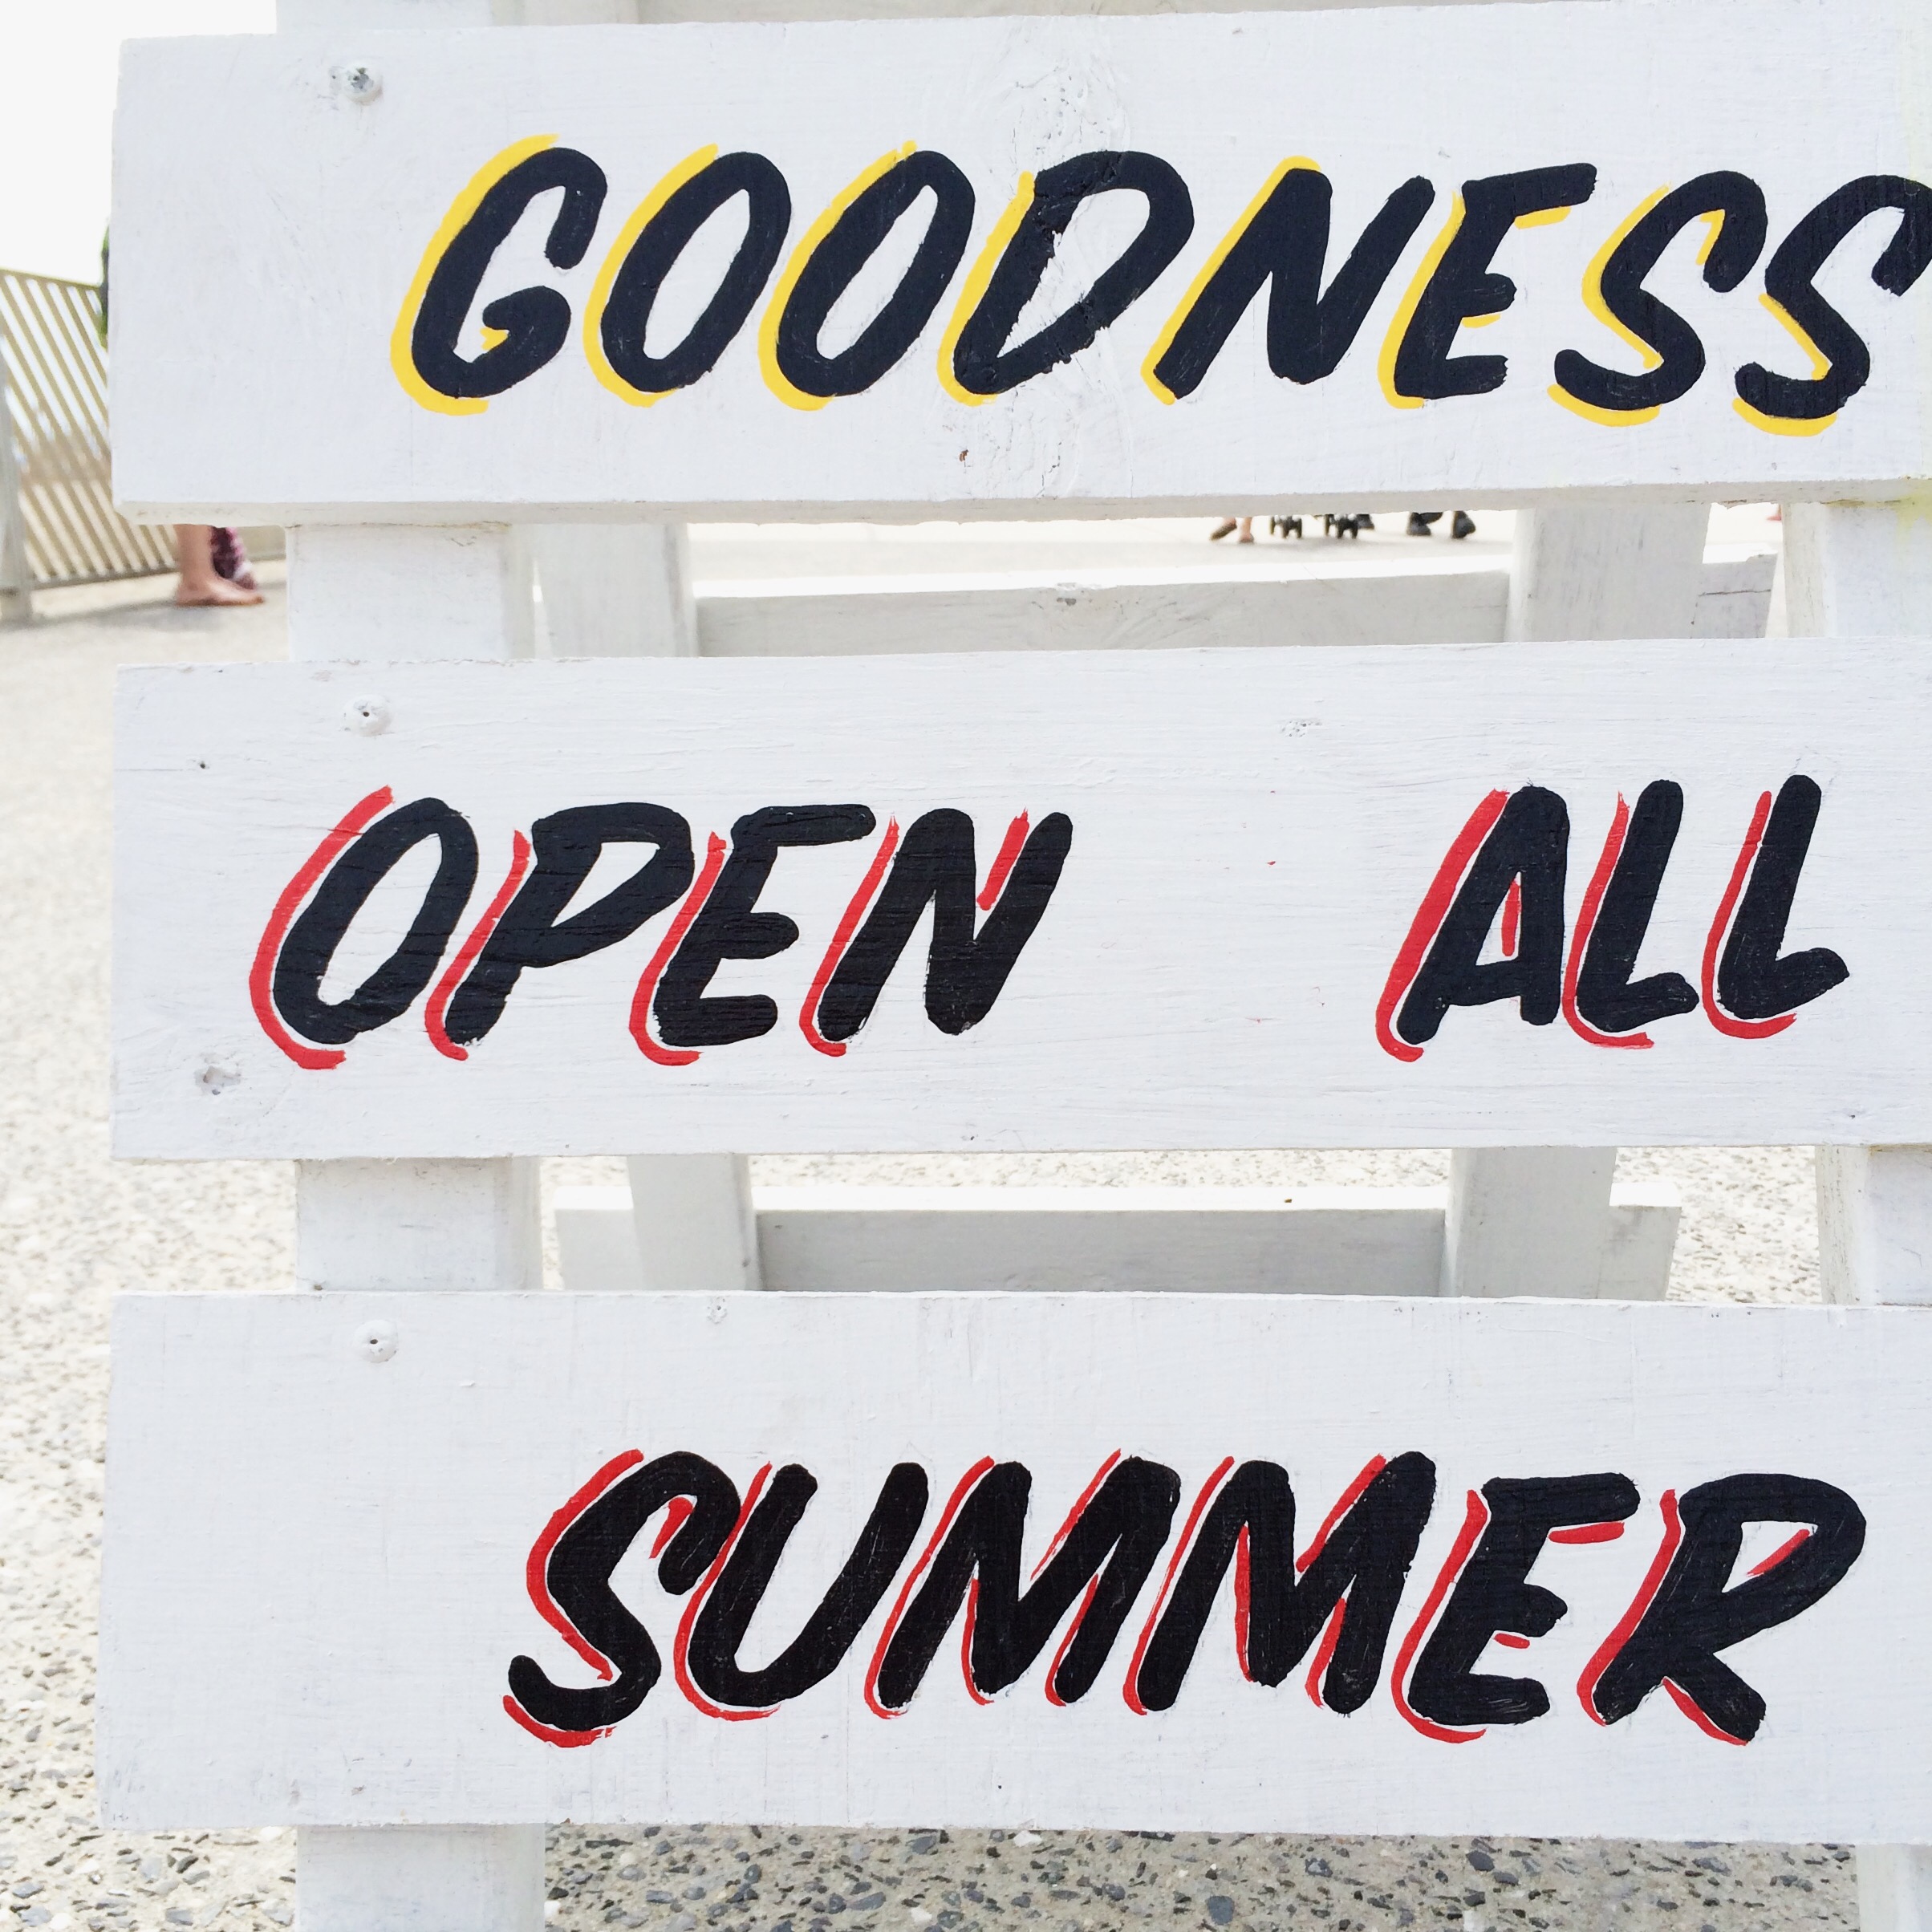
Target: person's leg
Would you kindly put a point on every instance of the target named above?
(200, 583)
(1247, 530)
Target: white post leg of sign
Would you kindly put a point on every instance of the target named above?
(1859, 571)
(1526, 1220)
(1535, 1220)
(615, 589)
(379, 594)
(420, 1878)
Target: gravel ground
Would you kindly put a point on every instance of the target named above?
(76, 1228)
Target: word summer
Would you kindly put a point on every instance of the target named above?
(1281, 243)
(979, 930)
(1505, 873)
(1337, 1603)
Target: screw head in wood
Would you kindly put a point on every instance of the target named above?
(369, 717)
(375, 1341)
(358, 82)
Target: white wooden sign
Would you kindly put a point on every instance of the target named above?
(1004, 1559)
(1366, 258)
(1600, 894)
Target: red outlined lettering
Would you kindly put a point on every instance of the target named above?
(1060, 1536)
(536, 1574)
(1209, 1490)
(680, 1663)
(855, 910)
(1010, 849)
(1331, 1635)
(1586, 924)
(1627, 1624)
(1778, 1555)
(1429, 917)
(1586, 1532)
(1720, 927)
(967, 1483)
(437, 1009)
(262, 974)
(647, 1044)
(1474, 1523)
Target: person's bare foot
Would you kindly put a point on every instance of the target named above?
(215, 590)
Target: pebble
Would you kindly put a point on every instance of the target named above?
(75, 1228)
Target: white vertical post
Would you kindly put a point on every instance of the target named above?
(1866, 570)
(16, 581)
(377, 595)
(616, 590)
(1537, 1220)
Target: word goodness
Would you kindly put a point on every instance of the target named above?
(1281, 243)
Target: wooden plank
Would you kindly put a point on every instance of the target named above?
(344, 198)
(1247, 846)
(343, 1491)
(1148, 609)
(823, 1238)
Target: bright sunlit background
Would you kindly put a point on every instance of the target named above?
(59, 57)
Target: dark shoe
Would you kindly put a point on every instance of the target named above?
(1221, 530)
(1464, 525)
(1420, 521)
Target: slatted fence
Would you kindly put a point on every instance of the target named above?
(60, 508)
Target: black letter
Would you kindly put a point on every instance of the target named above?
(565, 845)
(712, 1656)
(1530, 842)
(1112, 1544)
(1605, 997)
(1790, 282)
(1752, 982)
(727, 928)
(979, 365)
(1286, 246)
(1463, 284)
(311, 941)
(535, 321)
(1693, 1615)
(857, 236)
(1492, 1595)
(1364, 1562)
(626, 316)
(965, 972)
(1739, 203)
(577, 1578)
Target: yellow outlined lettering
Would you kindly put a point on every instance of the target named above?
(768, 327)
(975, 288)
(1198, 287)
(646, 211)
(1593, 301)
(402, 358)
(1405, 313)
(1821, 367)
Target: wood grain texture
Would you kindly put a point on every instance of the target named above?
(1127, 610)
(1252, 834)
(315, 1573)
(829, 1238)
(340, 202)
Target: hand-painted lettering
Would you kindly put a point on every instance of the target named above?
(719, 1551)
